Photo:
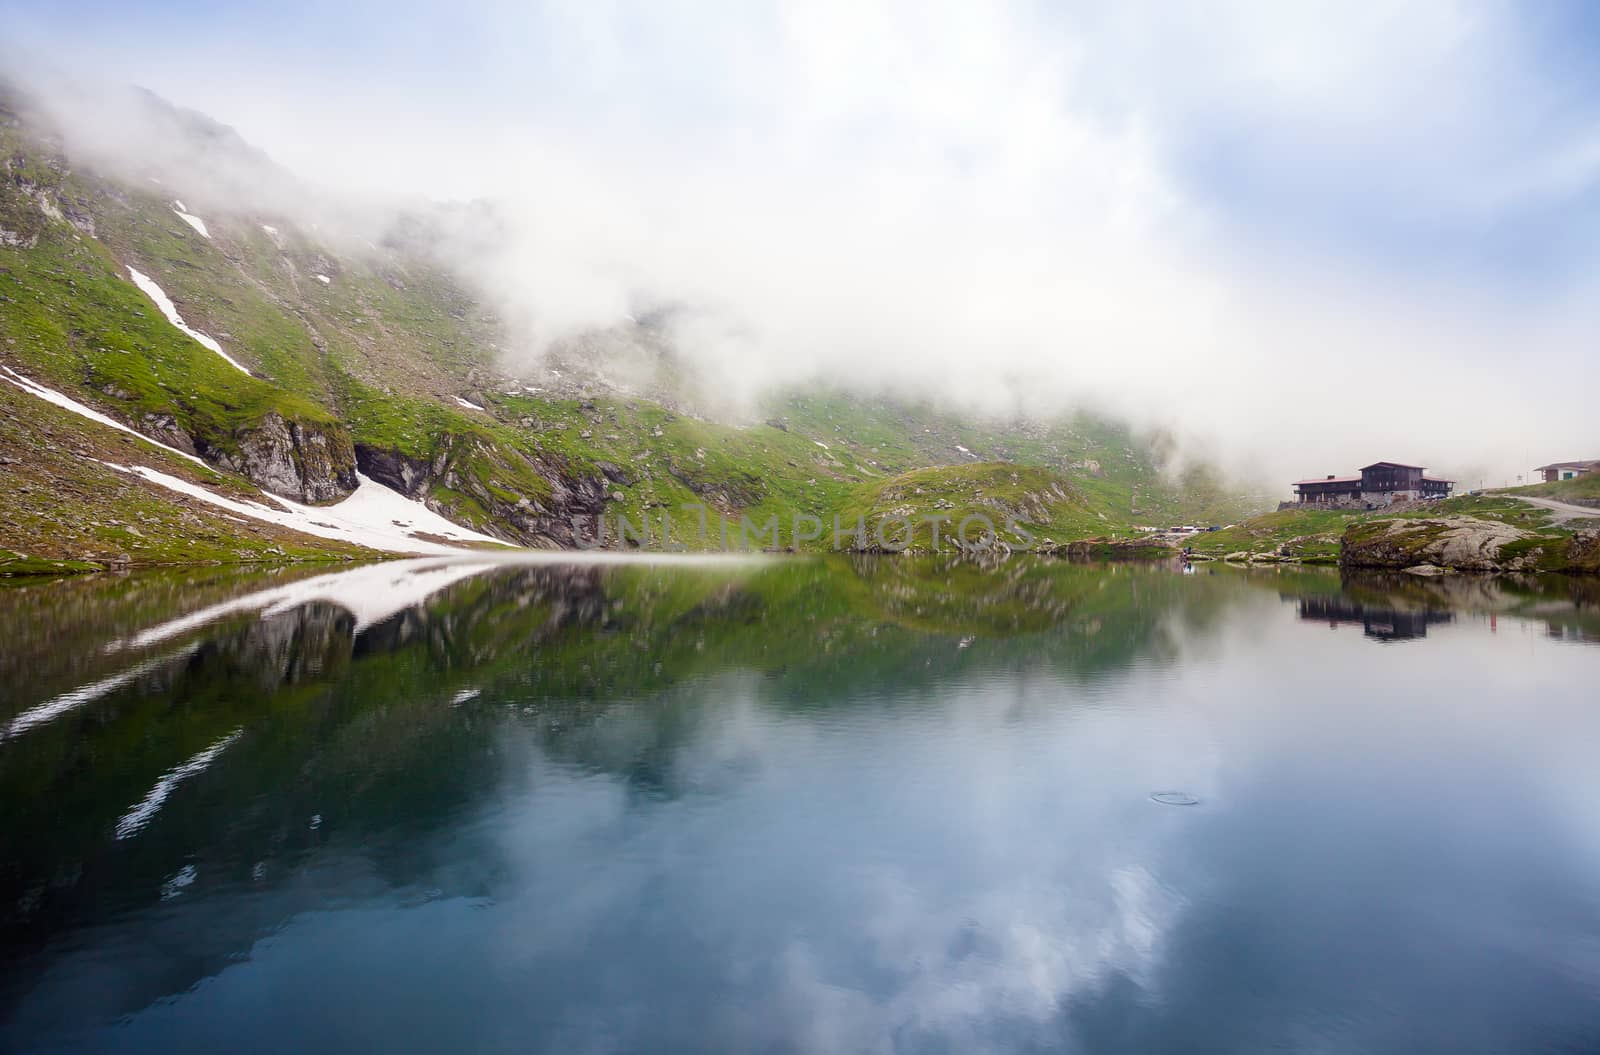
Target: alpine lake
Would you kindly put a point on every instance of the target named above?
(799, 805)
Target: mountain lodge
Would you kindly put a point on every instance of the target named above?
(1379, 484)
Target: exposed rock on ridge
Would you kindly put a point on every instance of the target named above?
(293, 459)
(531, 519)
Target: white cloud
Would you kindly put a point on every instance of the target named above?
(996, 203)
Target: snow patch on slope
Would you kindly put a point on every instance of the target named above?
(50, 395)
(373, 516)
(324, 279)
(467, 403)
(164, 302)
(190, 219)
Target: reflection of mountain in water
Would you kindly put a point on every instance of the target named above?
(350, 721)
(1377, 622)
(347, 720)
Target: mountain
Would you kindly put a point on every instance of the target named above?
(315, 380)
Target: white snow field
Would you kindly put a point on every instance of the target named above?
(373, 516)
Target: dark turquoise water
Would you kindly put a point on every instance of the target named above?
(883, 806)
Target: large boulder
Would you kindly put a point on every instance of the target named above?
(1465, 543)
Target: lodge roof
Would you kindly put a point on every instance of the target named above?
(1391, 465)
(1356, 479)
(1568, 465)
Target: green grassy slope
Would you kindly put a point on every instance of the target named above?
(72, 321)
(1021, 505)
(375, 358)
(61, 509)
(1585, 488)
(1311, 534)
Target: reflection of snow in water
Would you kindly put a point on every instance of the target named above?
(374, 592)
(132, 822)
(371, 594)
(68, 701)
(182, 878)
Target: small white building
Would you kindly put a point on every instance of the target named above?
(1566, 470)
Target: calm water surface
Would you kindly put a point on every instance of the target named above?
(884, 806)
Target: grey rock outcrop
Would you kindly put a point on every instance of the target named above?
(1466, 543)
(165, 428)
(1463, 542)
(303, 461)
(543, 519)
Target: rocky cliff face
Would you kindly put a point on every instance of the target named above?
(529, 502)
(303, 461)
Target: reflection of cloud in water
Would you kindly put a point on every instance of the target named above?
(1008, 956)
(893, 844)
(883, 878)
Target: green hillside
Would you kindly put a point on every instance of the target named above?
(1581, 488)
(941, 508)
(371, 357)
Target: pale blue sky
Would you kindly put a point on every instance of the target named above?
(1397, 193)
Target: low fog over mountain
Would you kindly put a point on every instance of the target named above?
(1300, 240)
